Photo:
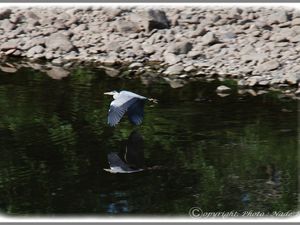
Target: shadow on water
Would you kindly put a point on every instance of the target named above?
(200, 150)
(131, 158)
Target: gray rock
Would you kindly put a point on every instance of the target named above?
(209, 39)
(279, 37)
(127, 26)
(33, 22)
(189, 68)
(223, 94)
(112, 72)
(297, 92)
(296, 14)
(57, 73)
(38, 56)
(16, 18)
(148, 49)
(216, 47)
(296, 22)
(10, 52)
(279, 17)
(153, 19)
(8, 69)
(11, 44)
(71, 56)
(277, 80)
(72, 20)
(59, 25)
(174, 20)
(156, 57)
(263, 25)
(5, 13)
(171, 58)
(268, 66)
(183, 76)
(113, 46)
(49, 55)
(174, 70)
(14, 33)
(6, 25)
(56, 61)
(31, 15)
(229, 35)
(80, 28)
(222, 89)
(113, 13)
(214, 18)
(136, 65)
(175, 83)
(292, 78)
(254, 56)
(251, 92)
(200, 31)
(194, 54)
(45, 21)
(35, 50)
(295, 39)
(296, 30)
(256, 33)
(264, 82)
(39, 40)
(111, 59)
(242, 83)
(182, 47)
(133, 36)
(252, 81)
(58, 41)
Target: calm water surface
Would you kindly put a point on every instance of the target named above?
(200, 150)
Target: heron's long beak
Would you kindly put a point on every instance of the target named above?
(109, 93)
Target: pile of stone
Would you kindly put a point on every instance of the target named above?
(256, 46)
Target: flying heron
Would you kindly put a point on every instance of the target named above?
(126, 102)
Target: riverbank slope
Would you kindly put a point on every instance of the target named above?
(256, 46)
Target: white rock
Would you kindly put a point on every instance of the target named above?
(174, 70)
(223, 88)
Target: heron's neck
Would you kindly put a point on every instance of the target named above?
(115, 96)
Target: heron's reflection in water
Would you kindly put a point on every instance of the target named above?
(131, 158)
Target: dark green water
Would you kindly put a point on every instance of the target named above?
(220, 154)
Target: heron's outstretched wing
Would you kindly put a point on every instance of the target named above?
(119, 106)
(136, 112)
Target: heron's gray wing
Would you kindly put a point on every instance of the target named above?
(136, 112)
(118, 108)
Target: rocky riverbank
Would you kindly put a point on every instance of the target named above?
(256, 46)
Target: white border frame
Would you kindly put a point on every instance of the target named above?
(145, 219)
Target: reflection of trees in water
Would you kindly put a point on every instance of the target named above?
(261, 194)
(54, 143)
